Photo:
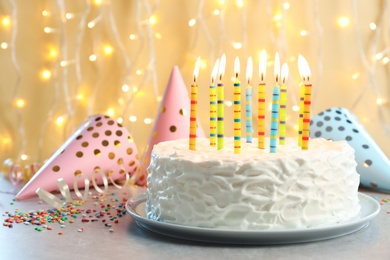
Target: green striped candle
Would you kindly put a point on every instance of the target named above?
(220, 105)
(282, 106)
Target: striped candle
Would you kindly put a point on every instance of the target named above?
(305, 73)
(261, 115)
(213, 106)
(237, 108)
(282, 106)
(306, 117)
(248, 101)
(193, 108)
(301, 106)
(274, 119)
(261, 101)
(220, 105)
(275, 107)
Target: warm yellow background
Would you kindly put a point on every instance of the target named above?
(345, 72)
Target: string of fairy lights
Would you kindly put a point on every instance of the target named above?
(372, 57)
(139, 67)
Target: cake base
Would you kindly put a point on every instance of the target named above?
(369, 209)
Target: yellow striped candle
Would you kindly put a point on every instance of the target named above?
(283, 102)
(305, 73)
(248, 101)
(193, 107)
(301, 106)
(275, 107)
(237, 108)
(220, 105)
(213, 106)
(306, 117)
(261, 101)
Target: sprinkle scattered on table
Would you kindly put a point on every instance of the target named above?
(105, 210)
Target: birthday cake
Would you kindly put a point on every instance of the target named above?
(256, 189)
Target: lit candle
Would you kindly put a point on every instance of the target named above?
(237, 108)
(194, 104)
(248, 103)
(220, 102)
(213, 106)
(305, 73)
(275, 107)
(283, 101)
(261, 100)
(301, 104)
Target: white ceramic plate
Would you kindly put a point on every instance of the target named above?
(369, 209)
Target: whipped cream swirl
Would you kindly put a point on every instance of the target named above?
(256, 189)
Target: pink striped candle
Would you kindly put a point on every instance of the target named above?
(304, 70)
(261, 101)
(193, 108)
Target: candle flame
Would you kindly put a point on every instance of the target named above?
(215, 71)
(196, 70)
(277, 68)
(249, 69)
(222, 65)
(236, 67)
(304, 68)
(284, 73)
(263, 65)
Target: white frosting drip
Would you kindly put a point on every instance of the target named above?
(255, 189)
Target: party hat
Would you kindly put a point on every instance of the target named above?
(100, 143)
(340, 124)
(172, 121)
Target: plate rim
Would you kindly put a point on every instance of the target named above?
(252, 236)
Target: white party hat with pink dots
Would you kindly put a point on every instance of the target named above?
(172, 121)
(100, 143)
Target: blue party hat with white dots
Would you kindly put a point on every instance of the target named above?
(340, 124)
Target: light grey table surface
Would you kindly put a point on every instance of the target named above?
(129, 241)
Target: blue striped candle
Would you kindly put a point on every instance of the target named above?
(275, 107)
(248, 101)
(274, 119)
(248, 109)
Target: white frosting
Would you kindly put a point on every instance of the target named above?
(254, 189)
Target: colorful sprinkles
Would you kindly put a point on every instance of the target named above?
(104, 210)
(107, 213)
(382, 201)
